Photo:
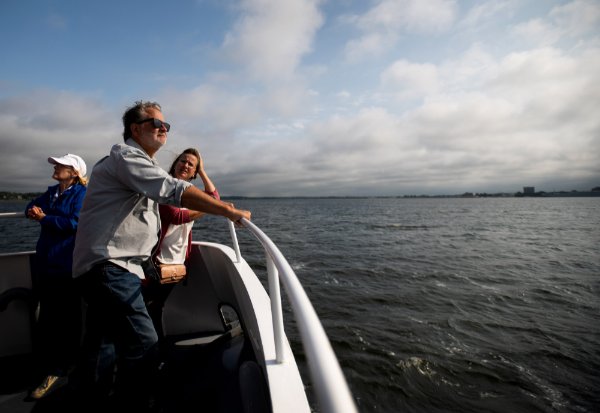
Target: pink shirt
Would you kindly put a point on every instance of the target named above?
(171, 215)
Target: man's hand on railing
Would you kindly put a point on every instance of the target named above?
(236, 215)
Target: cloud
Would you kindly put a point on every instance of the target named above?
(567, 22)
(469, 71)
(482, 118)
(46, 123)
(384, 23)
(271, 36)
(537, 32)
(370, 44)
(409, 15)
(482, 13)
(210, 109)
(525, 118)
(410, 79)
(577, 18)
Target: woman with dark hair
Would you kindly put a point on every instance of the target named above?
(175, 240)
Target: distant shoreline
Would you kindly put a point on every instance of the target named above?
(17, 196)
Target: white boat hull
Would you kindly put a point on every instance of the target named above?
(227, 349)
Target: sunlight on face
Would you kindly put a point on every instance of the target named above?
(149, 137)
(63, 172)
(186, 166)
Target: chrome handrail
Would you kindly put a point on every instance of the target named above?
(333, 393)
(12, 215)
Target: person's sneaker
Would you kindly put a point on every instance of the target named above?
(49, 384)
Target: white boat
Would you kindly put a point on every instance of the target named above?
(228, 351)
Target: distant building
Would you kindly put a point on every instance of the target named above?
(529, 190)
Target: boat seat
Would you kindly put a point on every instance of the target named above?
(192, 308)
(188, 340)
(17, 315)
(13, 294)
(195, 314)
(253, 393)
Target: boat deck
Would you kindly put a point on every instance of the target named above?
(236, 358)
(217, 377)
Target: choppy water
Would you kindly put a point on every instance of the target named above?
(441, 305)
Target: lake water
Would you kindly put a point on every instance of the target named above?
(438, 305)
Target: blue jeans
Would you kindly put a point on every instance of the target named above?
(118, 331)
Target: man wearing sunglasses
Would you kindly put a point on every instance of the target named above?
(118, 228)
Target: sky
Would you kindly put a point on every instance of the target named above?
(312, 97)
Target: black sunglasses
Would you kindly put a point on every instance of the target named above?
(157, 123)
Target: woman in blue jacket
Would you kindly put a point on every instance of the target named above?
(58, 332)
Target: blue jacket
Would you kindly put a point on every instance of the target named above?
(54, 250)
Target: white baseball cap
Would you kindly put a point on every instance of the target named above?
(70, 160)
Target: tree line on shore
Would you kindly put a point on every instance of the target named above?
(9, 196)
(26, 196)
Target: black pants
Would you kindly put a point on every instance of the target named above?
(58, 328)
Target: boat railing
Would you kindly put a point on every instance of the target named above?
(330, 386)
(11, 215)
(331, 389)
